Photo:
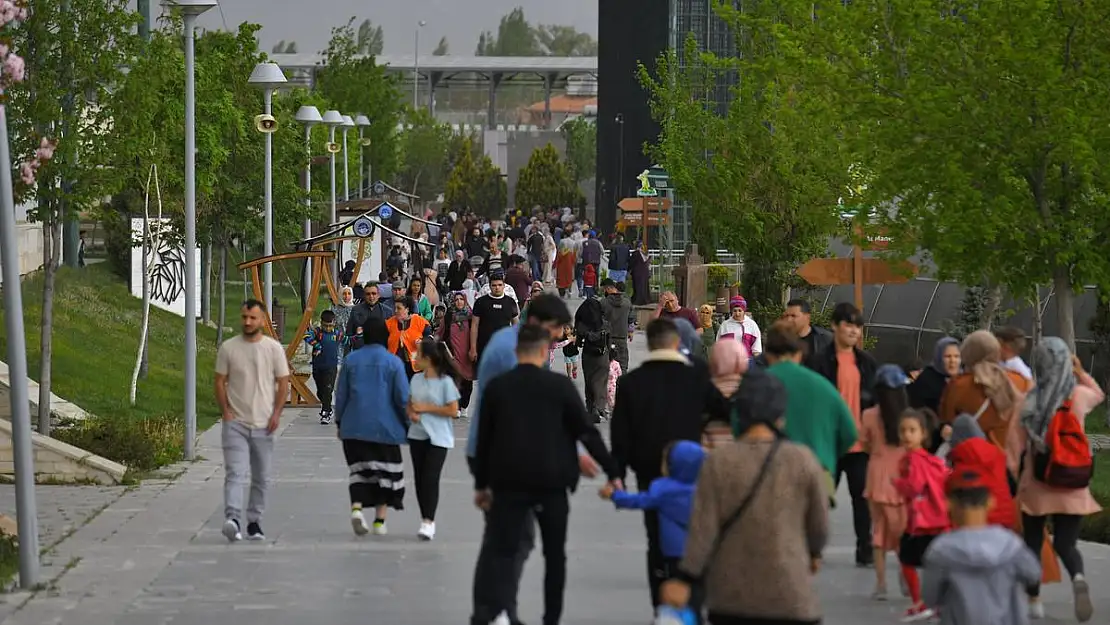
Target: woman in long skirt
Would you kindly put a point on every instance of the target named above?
(640, 269)
(371, 412)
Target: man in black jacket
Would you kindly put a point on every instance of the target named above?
(816, 338)
(527, 460)
(661, 401)
(852, 370)
(372, 307)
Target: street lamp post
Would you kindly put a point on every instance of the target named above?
(363, 122)
(268, 76)
(190, 9)
(331, 120)
(308, 116)
(416, 66)
(347, 124)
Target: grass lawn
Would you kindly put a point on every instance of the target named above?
(96, 337)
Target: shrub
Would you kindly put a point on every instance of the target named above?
(9, 559)
(139, 444)
(717, 276)
(117, 237)
(1096, 527)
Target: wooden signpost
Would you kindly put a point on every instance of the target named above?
(858, 270)
(636, 211)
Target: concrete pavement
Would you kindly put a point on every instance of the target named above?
(156, 556)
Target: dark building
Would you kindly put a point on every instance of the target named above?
(629, 32)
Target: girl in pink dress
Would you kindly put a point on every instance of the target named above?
(880, 439)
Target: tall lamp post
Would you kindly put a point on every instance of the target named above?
(416, 66)
(308, 116)
(347, 124)
(190, 10)
(363, 122)
(268, 76)
(331, 120)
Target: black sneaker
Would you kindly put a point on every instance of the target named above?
(325, 418)
(254, 531)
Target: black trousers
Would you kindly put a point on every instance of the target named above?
(620, 348)
(325, 385)
(506, 527)
(595, 370)
(656, 564)
(427, 466)
(854, 465)
(1065, 536)
(466, 389)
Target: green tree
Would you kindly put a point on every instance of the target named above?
(764, 166)
(356, 84)
(490, 192)
(558, 40)
(515, 37)
(423, 154)
(581, 137)
(441, 47)
(476, 184)
(460, 184)
(545, 181)
(371, 39)
(74, 51)
(996, 156)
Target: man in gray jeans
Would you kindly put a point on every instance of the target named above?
(252, 384)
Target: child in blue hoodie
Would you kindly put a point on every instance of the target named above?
(672, 497)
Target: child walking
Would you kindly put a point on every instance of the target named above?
(977, 573)
(433, 407)
(326, 341)
(879, 435)
(921, 483)
(570, 351)
(672, 497)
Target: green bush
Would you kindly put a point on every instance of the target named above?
(137, 443)
(9, 559)
(117, 237)
(717, 277)
(1096, 527)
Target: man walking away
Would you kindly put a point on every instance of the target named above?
(1013, 344)
(325, 340)
(617, 308)
(662, 400)
(531, 422)
(853, 372)
(536, 253)
(815, 338)
(592, 252)
(252, 385)
(619, 253)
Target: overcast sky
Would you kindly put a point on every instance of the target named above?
(310, 23)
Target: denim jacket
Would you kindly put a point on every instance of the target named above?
(372, 396)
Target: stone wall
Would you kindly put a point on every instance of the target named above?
(56, 461)
(28, 239)
(511, 149)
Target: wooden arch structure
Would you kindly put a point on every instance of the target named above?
(359, 228)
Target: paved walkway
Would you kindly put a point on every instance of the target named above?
(156, 556)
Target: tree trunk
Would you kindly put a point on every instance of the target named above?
(206, 285)
(990, 309)
(221, 312)
(52, 241)
(1038, 324)
(1065, 306)
(144, 363)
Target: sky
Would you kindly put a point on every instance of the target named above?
(310, 23)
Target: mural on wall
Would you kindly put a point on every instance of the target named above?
(167, 278)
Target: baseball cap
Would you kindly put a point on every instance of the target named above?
(891, 376)
(964, 479)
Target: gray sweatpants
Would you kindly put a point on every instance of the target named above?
(246, 449)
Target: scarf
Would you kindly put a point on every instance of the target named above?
(344, 291)
(981, 354)
(459, 315)
(1055, 382)
(938, 354)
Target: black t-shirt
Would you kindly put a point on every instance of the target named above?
(495, 313)
(535, 245)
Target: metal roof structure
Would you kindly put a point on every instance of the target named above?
(300, 68)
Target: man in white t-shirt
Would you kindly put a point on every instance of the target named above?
(252, 384)
(1013, 344)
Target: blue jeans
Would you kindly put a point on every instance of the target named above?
(537, 269)
(578, 276)
(618, 275)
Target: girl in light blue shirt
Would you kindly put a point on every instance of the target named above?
(433, 407)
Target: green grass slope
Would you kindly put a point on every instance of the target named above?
(96, 337)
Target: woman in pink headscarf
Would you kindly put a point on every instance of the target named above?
(728, 362)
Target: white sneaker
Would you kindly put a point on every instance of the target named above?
(231, 530)
(462, 413)
(1036, 610)
(427, 531)
(502, 619)
(380, 528)
(358, 523)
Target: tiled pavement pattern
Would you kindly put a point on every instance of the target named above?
(156, 557)
(62, 509)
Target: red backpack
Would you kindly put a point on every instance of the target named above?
(1067, 461)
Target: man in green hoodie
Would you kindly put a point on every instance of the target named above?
(816, 415)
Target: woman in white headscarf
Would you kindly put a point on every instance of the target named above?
(342, 312)
(549, 250)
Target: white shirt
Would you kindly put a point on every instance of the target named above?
(485, 291)
(739, 328)
(1017, 365)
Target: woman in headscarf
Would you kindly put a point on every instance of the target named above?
(777, 488)
(639, 268)
(709, 327)
(564, 266)
(1061, 384)
(548, 260)
(984, 390)
(342, 312)
(416, 292)
(455, 333)
(728, 362)
(926, 390)
(536, 288)
(593, 339)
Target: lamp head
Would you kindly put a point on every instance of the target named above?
(362, 120)
(308, 116)
(347, 122)
(190, 7)
(333, 118)
(267, 76)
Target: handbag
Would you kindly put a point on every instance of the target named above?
(737, 514)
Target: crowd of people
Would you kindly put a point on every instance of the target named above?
(738, 438)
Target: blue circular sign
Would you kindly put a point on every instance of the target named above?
(364, 227)
(379, 188)
(385, 211)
